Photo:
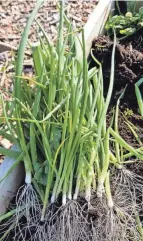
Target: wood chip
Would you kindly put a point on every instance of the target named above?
(6, 143)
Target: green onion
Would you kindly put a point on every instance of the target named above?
(139, 96)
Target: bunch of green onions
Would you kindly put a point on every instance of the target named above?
(59, 123)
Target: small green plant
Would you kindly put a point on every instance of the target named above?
(128, 112)
(125, 25)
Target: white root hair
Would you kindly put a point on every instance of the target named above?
(28, 208)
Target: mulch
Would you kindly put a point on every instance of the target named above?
(14, 15)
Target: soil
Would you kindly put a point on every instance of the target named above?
(128, 58)
(126, 115)
(128, 70)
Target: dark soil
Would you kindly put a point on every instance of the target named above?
(129, 57)
(128, 70)
(128, 64)
(126, 115)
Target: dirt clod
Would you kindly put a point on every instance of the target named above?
(129, 61)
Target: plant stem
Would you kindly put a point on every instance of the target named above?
(108, 191)
(21, 51)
